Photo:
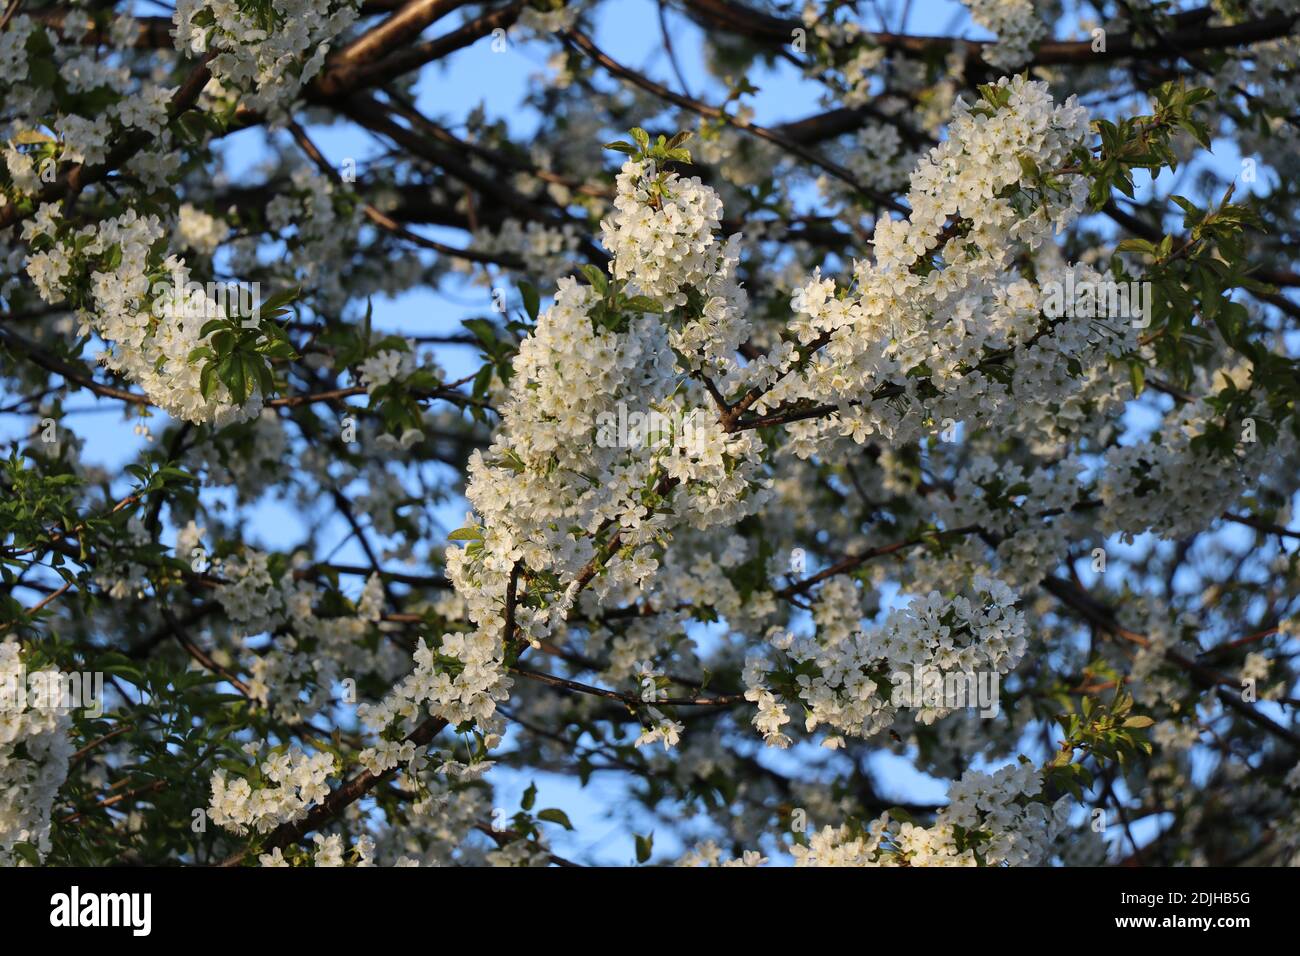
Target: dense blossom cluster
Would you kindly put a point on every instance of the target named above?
(266, 52)
(944, 296)
(251, 599)
(1032, 516)
(35, 749)
(662, 233)
(842, 676)
(878, 158)
(32, 158)
(545, 492)
(547, 487)
(1003, 818)
(293, 782)
(116, 274)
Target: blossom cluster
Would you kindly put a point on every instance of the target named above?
(545, 250)
(661, 233)
(879, 158)
(840, 676)
(662, 237)
(546, 490)
(251, 598)
(35, 750)
(318, 221)
(1017, 27)
(1168, 483)
(388, 365)
(266, 52)
(1029, 515)
(1002, 818)
(112, 273)
(132, 105)
(295, 780)
(944, 294)
(293, 677)
(328, 852)
(669, 558)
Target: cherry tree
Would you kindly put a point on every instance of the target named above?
(945, 429)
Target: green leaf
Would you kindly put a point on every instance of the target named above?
(1136, 245)
(552, 815)
(208, 380)
(279, 301)
(530, 797)
(644, 847)
(532, 301)
(484, 331)
(596, 277)
(212, 325)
